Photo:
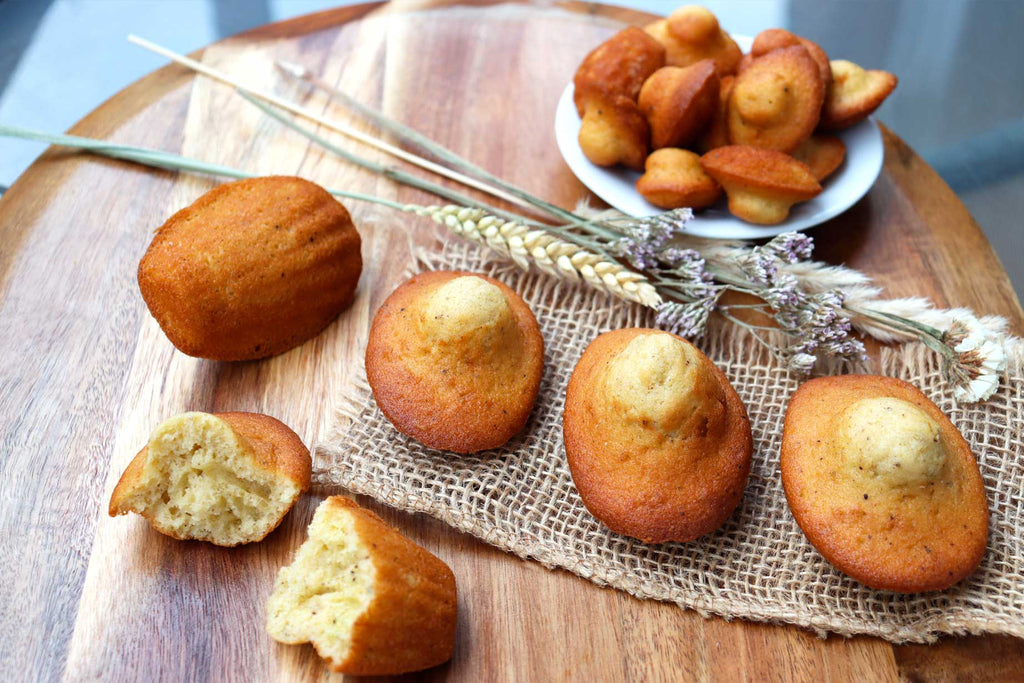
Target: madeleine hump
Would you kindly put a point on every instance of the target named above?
(657, 440)
(455, 360)
(883, 484)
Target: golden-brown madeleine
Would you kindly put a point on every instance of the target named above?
(614, 131)
(744, 63)
(679, 103)
(717, 132)
(618, 66)
(454, 360)
(854, 94)
(372, 602)
(674, 178)
(776, 101)
(776, 38)
(251, 269)
(883, 484)
(761, 184)
(692, 33)
(657, 440)
(823, 154)
(226, 478)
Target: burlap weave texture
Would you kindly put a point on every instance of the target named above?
(759, 565)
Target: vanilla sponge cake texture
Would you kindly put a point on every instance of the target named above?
(370, 600)
(227, 479)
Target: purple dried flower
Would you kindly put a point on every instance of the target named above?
(644, 240)
(791, 247)
(817, 322)
(676, 256)
(673, 221)
(640, 253)
(761, 264)
(784, 294)
(687, 320)
(759, 267)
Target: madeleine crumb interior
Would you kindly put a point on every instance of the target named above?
(227, 479)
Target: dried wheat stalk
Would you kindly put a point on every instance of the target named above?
(552, 255)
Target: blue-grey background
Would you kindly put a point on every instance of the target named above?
(960, 102)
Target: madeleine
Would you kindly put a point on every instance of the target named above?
(251, 269)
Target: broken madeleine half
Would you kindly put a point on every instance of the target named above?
(370, 600)
(228, 478)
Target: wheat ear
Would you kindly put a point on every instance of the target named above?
(528, 246)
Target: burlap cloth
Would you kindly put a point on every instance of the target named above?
(759, 565)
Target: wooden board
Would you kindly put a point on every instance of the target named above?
(86, 374)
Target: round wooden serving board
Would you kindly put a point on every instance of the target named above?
(87, 372)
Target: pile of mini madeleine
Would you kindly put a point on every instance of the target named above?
(679, 101)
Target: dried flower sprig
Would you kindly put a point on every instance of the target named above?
(685, 293)
(977, 361)
(817, 306)
(973, 353)
(683, 278)
(972, 349)
(815, 320)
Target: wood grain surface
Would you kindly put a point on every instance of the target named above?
(86, 372)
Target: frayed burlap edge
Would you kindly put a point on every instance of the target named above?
(336, 465)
